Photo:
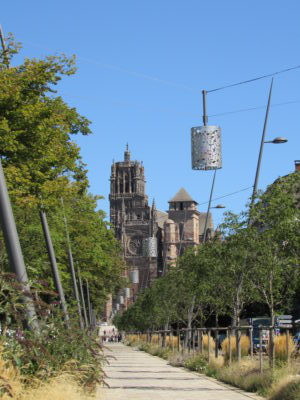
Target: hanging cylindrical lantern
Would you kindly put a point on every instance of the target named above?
(121, 299)
(206, 147)
(150, 247)
(134, 276)
(117, 306)
(127, 292)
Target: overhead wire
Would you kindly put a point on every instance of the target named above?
(170, 83)
(254, 79)
(253, 108)
(227, 195)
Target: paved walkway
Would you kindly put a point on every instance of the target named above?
(135, 375)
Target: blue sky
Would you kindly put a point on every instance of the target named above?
(141, 68)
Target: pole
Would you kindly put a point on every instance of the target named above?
(251, 342)
(209, 204)
(229, 346)
(14, 250)
(88, 301)
(208, 346)
(82, 299)
(53, 264)
(204, 118)
(71, 265)
(287, 347)
(4, 48)
(260, 351)
(261, 146)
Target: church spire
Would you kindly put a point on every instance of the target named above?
(127, 153)
(153, 219)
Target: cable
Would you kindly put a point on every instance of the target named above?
(254, 79)
(124, 70)
(253, 108)
(227, 195)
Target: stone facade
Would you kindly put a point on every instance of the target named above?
(136, 223)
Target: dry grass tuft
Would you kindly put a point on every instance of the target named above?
(63, 387)
(10, 380)
(245, 346)
(205, 343)
(217, 362)
(287, 388)
(246, 375)
(280, 343)
(172, 341)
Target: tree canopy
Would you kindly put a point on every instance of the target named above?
(246, 264)
(42, 165)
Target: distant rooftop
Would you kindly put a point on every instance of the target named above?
(182, 195)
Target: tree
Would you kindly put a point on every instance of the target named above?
(275, 259)
(37, 152)
(42, 165)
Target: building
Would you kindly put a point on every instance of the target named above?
(137, 224)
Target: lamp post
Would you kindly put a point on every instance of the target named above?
(277, 140)
(14, 252)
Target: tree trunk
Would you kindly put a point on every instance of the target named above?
(217, 337)
(271, 344)
(165, 334)
(189, 324)
(238, 340)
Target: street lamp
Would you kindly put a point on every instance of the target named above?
(206, 151)
(219, 206)
(277, 140)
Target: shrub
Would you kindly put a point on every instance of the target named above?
(287, 390)
(245, 346)
(163, 352)
(178, 359)
(246, 375)
(197, 363)
(56, 348)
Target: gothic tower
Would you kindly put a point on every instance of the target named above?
(184, 226)
(131, 216)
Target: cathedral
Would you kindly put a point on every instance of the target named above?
(151, 239)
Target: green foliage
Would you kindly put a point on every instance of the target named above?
(37, 152)
(247, 263)
(42, 164)
(56, 348)
(289, 391)
(155, 350)
(197, 363)
(247, 376)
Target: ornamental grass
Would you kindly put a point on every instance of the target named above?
(245, 346)
(284, 347)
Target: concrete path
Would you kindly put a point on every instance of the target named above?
(135, 375)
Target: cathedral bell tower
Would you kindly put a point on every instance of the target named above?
(131, 216)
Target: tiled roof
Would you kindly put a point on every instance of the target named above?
(181, 195)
